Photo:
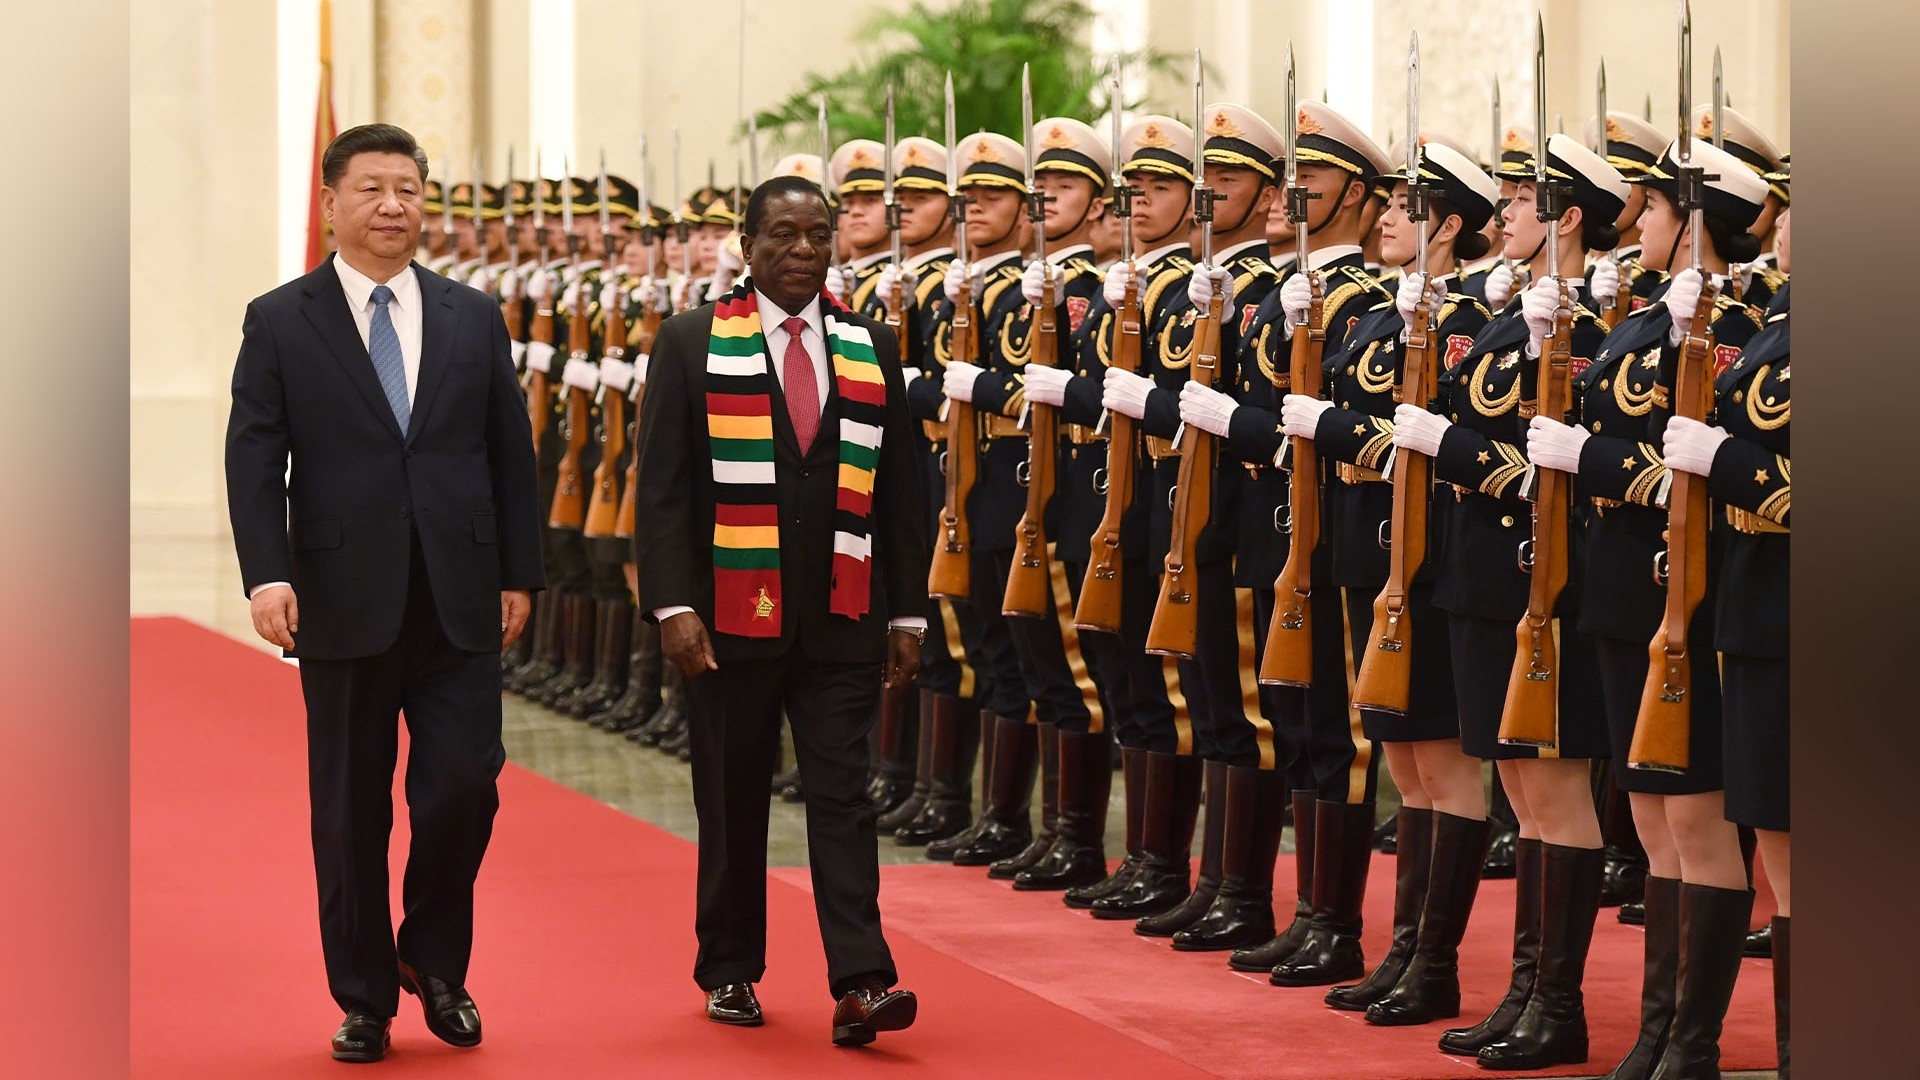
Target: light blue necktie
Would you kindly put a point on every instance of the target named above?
(383, 345)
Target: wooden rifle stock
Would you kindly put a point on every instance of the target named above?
(1663, 732)
(1616, 313)
(1288, 658)
(603, 507)
(537, 385)
(1176, 625)
(1099, 607)
(1531, 714)
(1386, 667)
(623, 520)
(950, 576)
(1030, 582)
(569, 508)
(896, 316)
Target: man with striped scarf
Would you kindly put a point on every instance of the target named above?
(780, 546)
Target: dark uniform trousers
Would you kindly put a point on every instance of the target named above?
(452, 706)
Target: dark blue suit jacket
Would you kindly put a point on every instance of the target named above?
(339, 529)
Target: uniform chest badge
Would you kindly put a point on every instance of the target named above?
(1507, 362)
(1246, 317)
(1577, 366)
(1076, 312)
(1652, 358)
(1458, 345)
(1723, 358)
(1784, 374)
(1188, 317)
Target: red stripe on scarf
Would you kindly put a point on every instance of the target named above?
(853, 502)
(738, 404)
(852, 586)
(865, 393)
(736, 515)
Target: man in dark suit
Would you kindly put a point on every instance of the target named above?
(395, 562)
(779, 504)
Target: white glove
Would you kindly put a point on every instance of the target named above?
(1207, 409)
(838, 282)
(570, 300)
(510, 286)
(540, 356)
(1408, 298)
(1418, 430)
(1499, 286)
(1690, 446)
(1047, 385)
(678, 293)
(1203, 285)
(1683, 296)
(1126, 393)
(581, 374)
(1300, 414)
(958, 382)
(958, 272)
(482, 279)
(909, 375)
(610, 297)
(540, 286)
(1606, 282)
(640, 369)
(616, 374)
(1119, 275)
(1296, 299)
(908, 280)
(1039, 275)
(1743, 273)
(654, 290)
(518, 350)
(1537, 306)
(1554, 445)
(728, 263)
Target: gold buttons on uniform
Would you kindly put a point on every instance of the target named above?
(1506, 521)
(1596, 425)
(1603, 384)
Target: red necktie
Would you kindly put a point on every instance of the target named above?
(803, 397)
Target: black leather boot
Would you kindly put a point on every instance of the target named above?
(1242, 911)
(1413, 859)
(1713, 928)
(1552, 1029)
(1661, 959)
(1505, 835)
(909, 807)
(899, 743)
(1429, 989)
(1528, 883)
(1133, 779)
(1166, 841)
(642, 699)
(620, 710)
(668, 716)
(948, 808)
(540, 665)
(1343, 853)
(1212, 854)
(614, 659)
(1759, 943)
(1783, 992)
(1009, 868)
(514, 658)
(1261, 959)
(1626, 871)
(673, 715)
(981, 735)
(1006, 821)
(1078, 854)
(577, 631)
(596, 664)
(1386, 836)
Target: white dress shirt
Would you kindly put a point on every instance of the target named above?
(813, 337)
(403, 309)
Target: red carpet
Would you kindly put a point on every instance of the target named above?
(585, 941)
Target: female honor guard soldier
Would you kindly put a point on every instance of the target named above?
(1747, 460)
(1355, 430)
(1477, 446)
(1623, 401)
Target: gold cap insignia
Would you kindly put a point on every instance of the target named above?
(1515, 141)
(1057, 139)
(1305, 124)
(1705, 130)
(1152, 136)
(914, 156)
(1615, 132)
(1224, 127)
(860, 159)
(463, 192)
(803, 170)
(983, 151)
(763, 605)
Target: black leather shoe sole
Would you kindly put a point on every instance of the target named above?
(736, 1019)
(896, 1014)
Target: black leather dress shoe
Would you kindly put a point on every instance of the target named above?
(869, 1009)
(451, 1014)
(363, 1037)
(734, 1004)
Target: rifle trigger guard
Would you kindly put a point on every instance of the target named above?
(1283, 524)
(1386, 535)
(1660, 568)
(1023, 473)
(1172, 493)
(1100, 480)
(943, 463)
(1526, 555)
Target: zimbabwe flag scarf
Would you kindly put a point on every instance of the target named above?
(746, 528)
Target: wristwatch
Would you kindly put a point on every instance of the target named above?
(919, 632)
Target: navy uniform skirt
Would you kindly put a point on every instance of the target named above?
(1483, 652)
(1757, 742)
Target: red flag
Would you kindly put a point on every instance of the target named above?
(323, 132)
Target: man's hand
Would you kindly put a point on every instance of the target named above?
(276, 615)
(683, 638)
(514, 606)
(903, 658)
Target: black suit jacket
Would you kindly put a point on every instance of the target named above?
(674, 510)
(462, 476)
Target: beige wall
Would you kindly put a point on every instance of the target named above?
(204, 152)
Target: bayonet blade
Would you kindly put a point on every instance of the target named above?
(1540, 100)
(1686, 83)
(1293, 123)
(566, 192)
(1413, 109)
(1499, 132)
(1719, 102)
(606, 211)
(1600, 115)
(753, 151)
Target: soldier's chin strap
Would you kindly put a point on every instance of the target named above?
(1334, 208)
(1255, 201)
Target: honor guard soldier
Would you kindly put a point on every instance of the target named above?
(1163, 772)
(466, 239)
(1493, 283)
(432, 240)
(1633, 145)
(858, 172)
(1754, 284)
(1625, 403)
(1231, 905)
(1334, 772)
(1071, 167)
(1477, 441)
(1353, 428)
